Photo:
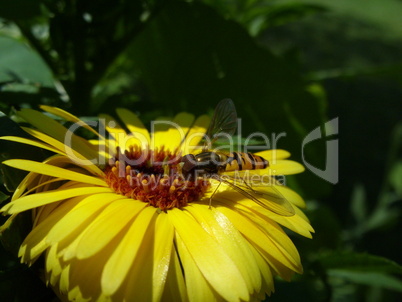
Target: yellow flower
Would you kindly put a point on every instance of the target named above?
(115, 224)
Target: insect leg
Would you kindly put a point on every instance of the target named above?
(210, 199)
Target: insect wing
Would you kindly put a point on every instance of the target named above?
(268, 197)
(224, 120)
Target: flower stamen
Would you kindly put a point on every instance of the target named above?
(141, 175)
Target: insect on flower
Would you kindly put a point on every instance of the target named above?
(110, 233)
(219, 165)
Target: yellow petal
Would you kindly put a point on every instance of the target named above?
(88, 208)
(148, 283)
(104, 147)
(40, 214)
(88, 163)
(35, 243)
(163, 245)
(231, 240)
(41, 168)
(121, 261)
(84, 278)
(210, 257)
(266, 274)
(195, 135)
(40, 199)
(120, 138)
(107, 225)
(173, 137)
(160, 125)
(198, 288)
(175, 288)
(260, 239)
(27, 141)
(266, 197)
(8, 223)
(54, 129)
(284, 167)
(29, 181)
(134, 124)
(113, 127)
(68, 117)
(68, 249)
(273, 155)
(64, 280)
(295, 223)
(291, 195)
(280, 239)
(301, 225)
(53, 265)
(140, 276)
(303, 216)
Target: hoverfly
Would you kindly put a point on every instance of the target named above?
(213, 164)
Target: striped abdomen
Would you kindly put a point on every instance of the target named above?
(238, 161)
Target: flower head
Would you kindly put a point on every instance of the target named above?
(116, 220)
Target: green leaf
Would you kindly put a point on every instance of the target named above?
(383, 215)
(3, 197)
(11, 177)
(27, 94)
(256, 15)
(385, 13)
(358, 204)
(358, 262)
(277, 15)
(396, 176)
(20, 64)
(368, 278)
(394, 159)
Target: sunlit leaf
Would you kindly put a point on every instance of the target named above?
(396, 176)
(368, 278)
(19, 63)
(280, 14)
(358, 204)
(358, 262)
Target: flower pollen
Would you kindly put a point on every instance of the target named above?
(153, 176)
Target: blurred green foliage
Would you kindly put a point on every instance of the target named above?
(289, 66)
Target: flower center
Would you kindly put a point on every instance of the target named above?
(153, 176)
